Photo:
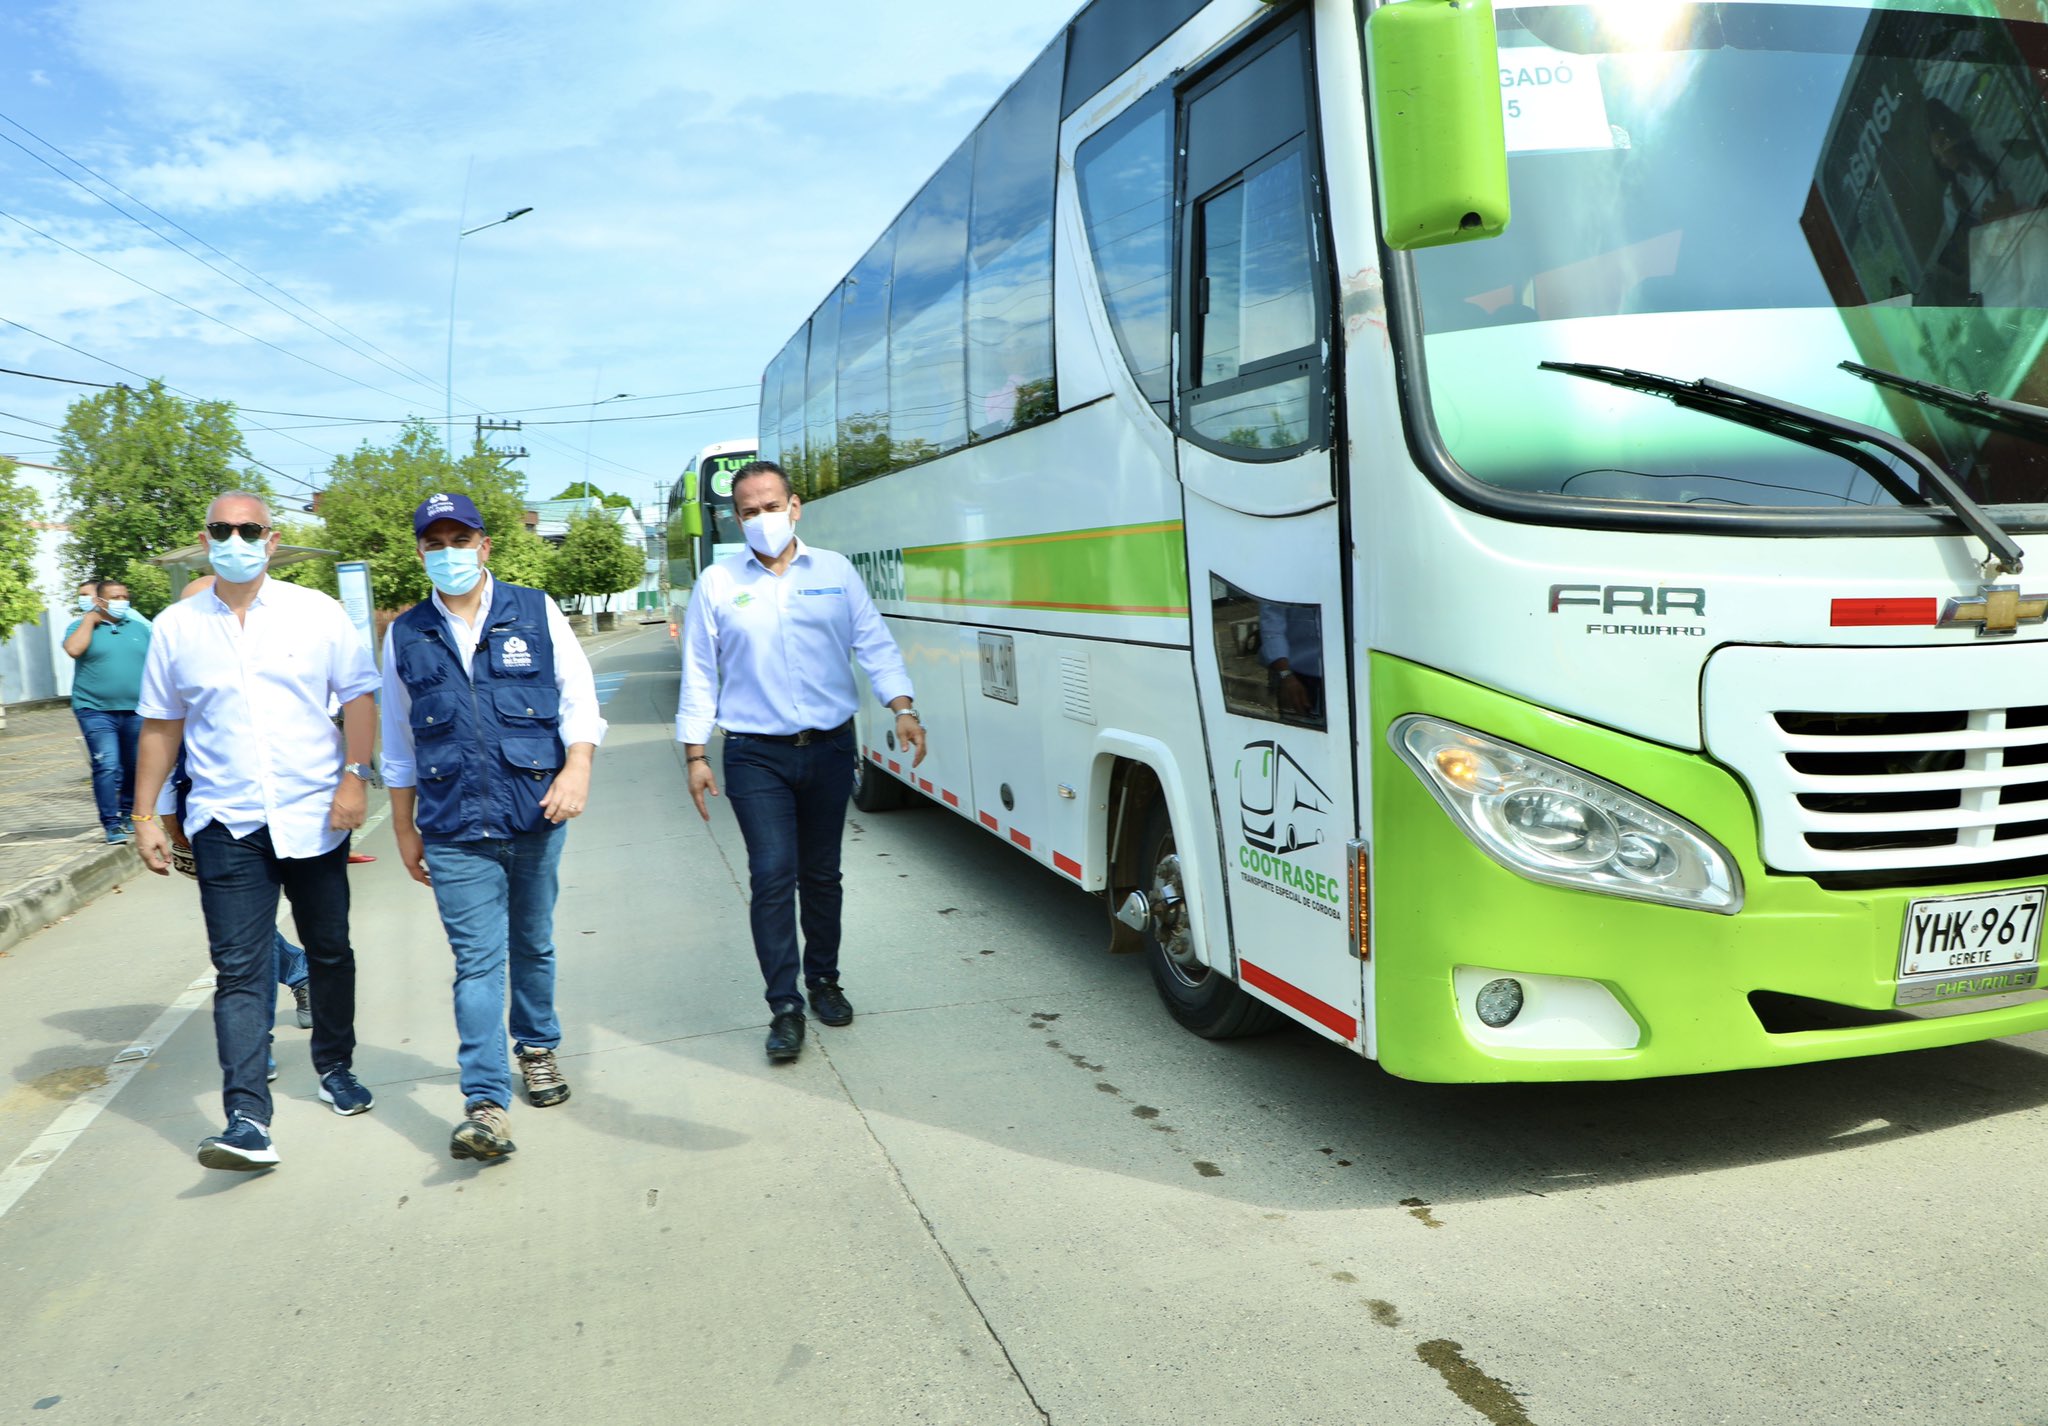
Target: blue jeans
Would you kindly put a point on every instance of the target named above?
(110, 742)
(791, 806)
(239, 881)
(497, 903)
(291, 962)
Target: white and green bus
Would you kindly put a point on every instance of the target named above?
(1580, 638)
(702, 528)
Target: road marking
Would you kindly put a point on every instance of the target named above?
(77, 1116)
(49, 1146)
(607, 685)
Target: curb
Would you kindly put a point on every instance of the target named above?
(30, 907)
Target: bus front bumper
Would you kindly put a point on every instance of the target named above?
(1614, 988)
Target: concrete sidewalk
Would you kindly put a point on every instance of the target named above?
(53, 854)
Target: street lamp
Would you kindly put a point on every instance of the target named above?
(590, 425)
(455, 273)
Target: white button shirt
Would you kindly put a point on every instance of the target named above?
(260, 746)
(581, 721)
(766, 653)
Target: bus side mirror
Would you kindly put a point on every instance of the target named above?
(693, 508)
(1440, 141)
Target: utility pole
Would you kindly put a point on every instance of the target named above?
(504, 455)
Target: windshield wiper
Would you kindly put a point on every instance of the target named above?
(1851, 440)
(1978, 407)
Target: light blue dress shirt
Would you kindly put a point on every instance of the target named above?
(766, 653)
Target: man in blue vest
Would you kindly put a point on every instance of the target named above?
(490, 723)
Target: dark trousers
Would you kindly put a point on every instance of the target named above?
(110, 738)
(791, 807)
(238, 885)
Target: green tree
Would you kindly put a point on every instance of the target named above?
(20, 600)
(595, 559)
(583, 490)
(315, 573)
(371, 492)
(142, 468)
(149, 587)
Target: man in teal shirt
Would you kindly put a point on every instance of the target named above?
(108, 642)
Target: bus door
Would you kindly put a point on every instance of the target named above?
(1266, 566)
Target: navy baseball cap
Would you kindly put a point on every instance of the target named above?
(459, 508)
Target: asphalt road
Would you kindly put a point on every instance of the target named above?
(1011, 1191)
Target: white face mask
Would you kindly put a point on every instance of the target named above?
(769, 533)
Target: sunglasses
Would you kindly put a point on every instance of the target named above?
(248, 530)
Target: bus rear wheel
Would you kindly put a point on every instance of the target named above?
(872, 792)
(1200, 997)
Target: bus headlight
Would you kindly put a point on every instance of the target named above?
(1551, 822)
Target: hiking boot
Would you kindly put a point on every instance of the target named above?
(485, 1133)
(244, 1147)
(544, 1082)
(302, 997)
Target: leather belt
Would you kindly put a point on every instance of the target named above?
(796, 740)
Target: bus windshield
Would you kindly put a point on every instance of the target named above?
(1756, 193)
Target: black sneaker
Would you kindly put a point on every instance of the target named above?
(786, 1036)
(244, 1147)
(302, 996)
(340, 1088)
(485, 1133)
(829, 1003)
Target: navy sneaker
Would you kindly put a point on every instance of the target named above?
(244, 1148)
(116, 836)
(340, 1088)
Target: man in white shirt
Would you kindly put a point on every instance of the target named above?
(490, 724)
(766, 645)
(241, 678)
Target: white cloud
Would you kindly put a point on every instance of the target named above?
(39, 79)
(211, 173)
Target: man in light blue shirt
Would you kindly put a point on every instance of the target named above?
(766, 645)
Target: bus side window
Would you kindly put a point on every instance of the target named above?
(1251, 296)
(1269, 653)
(1126, 177)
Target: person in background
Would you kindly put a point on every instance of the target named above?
(108, 643)
(240, 678)
(490, 725)
(769, 641)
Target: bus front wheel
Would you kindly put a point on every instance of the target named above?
(1200, 997)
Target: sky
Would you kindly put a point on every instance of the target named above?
(699, 174)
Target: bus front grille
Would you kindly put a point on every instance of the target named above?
(1883, 761)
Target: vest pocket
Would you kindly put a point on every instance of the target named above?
(438, 808)
(432, 715)
(536, 705)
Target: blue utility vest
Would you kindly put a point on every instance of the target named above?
(486, 747)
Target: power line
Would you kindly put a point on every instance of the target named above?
(196, 311)
(390, 363)
(67, 380)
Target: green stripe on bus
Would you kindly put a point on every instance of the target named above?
(1121, 569)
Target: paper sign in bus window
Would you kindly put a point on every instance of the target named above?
(1552, 100)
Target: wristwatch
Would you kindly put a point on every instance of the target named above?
(910, 712)
(361, 770)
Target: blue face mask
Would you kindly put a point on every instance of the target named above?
(235, 559)
(86, 603)
(455, 571)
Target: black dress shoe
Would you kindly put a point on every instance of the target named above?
(786, 1036)
(829, 1003)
